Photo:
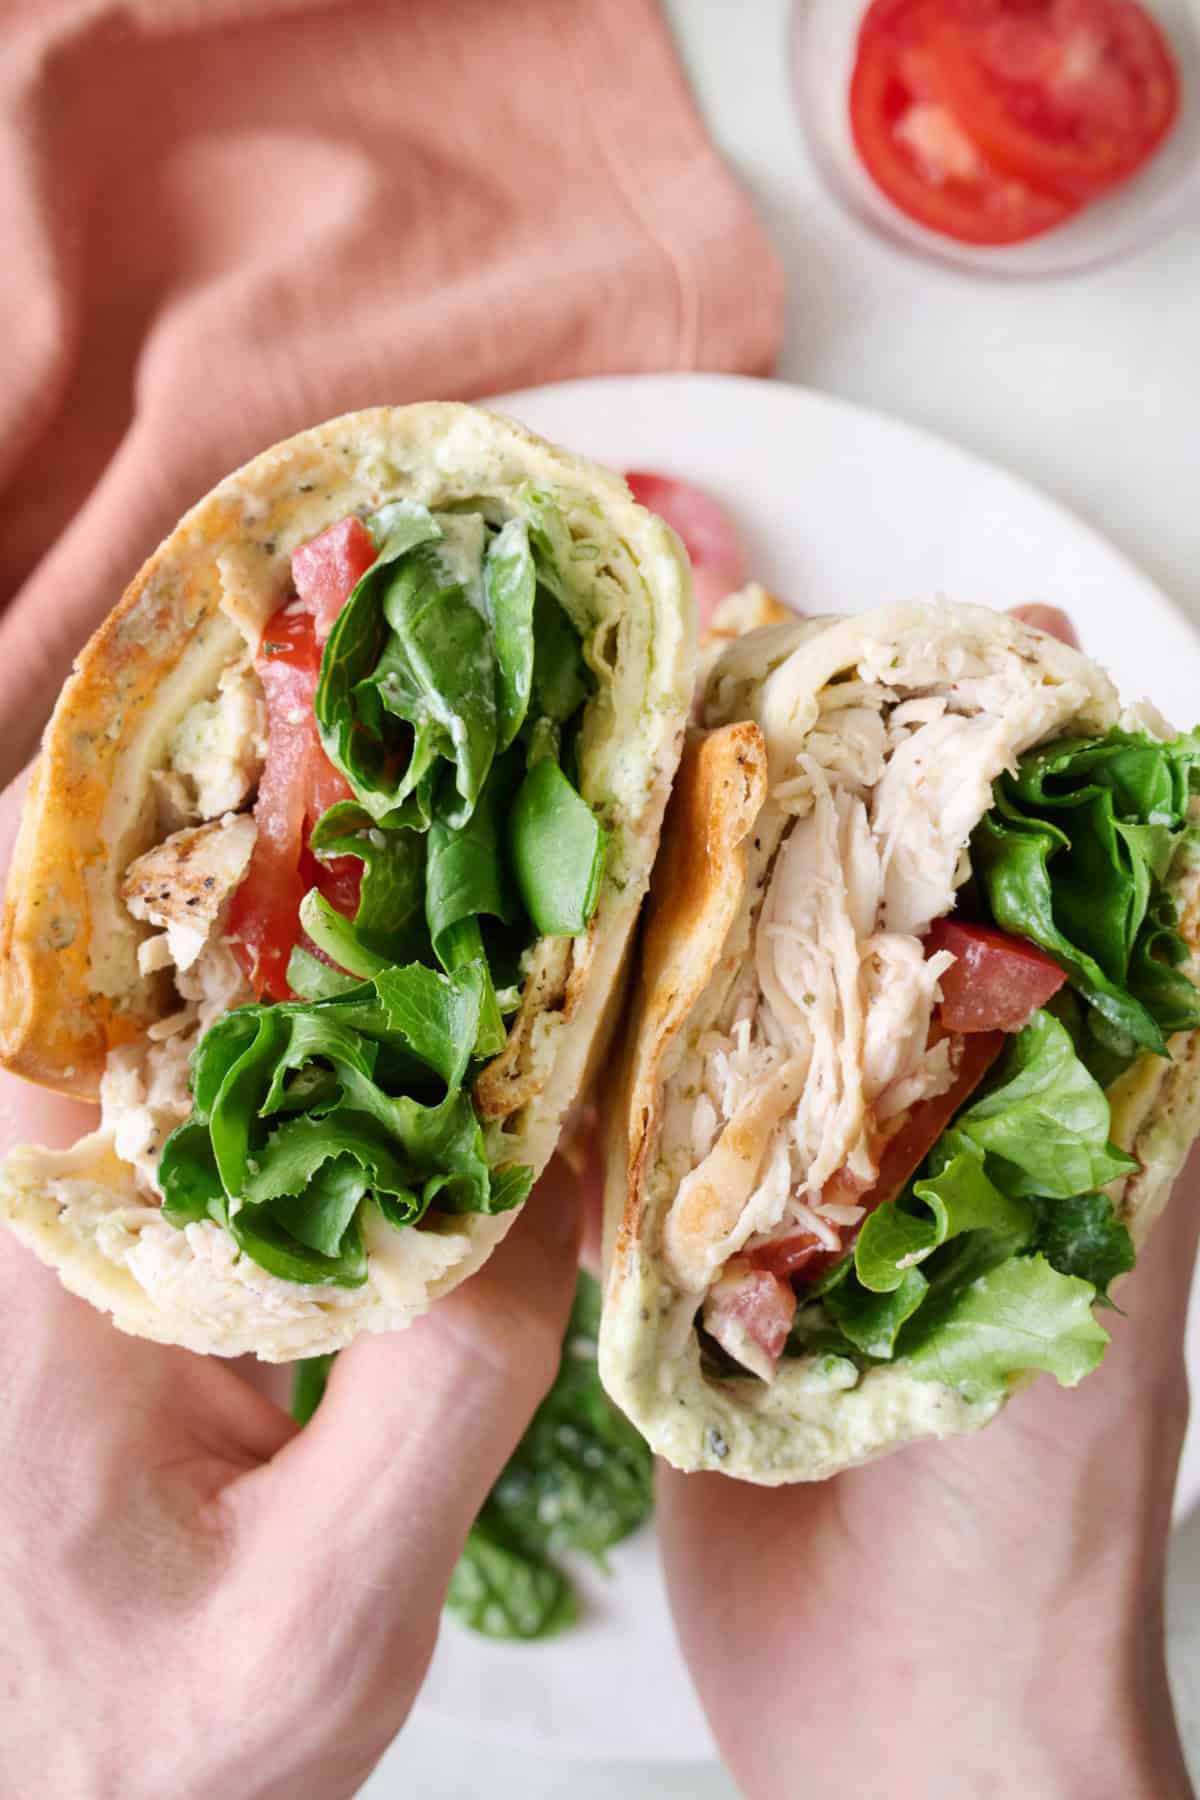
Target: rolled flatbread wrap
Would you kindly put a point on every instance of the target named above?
(913, 1060)
(327, 871)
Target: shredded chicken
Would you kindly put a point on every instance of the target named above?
(182, 884)
(824, 1039)
(144, 1091)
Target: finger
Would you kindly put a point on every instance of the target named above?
(1050, 619)
(11, 802)
(416, 1425)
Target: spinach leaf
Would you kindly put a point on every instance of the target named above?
(561, 680)
(1008, 1186)
(956, 1196)
(870, 1320)
(511, 582)
(503, 1592)
(1044, 1124)
(1082, 1236)
(437, 675)
(412, 647)
(581, 1479)
(509, 1187)
(1074, 853)
(354, 744)
(390, 920)
(558, 849)
(309, 1379)
(468, 880)
(311, 979)
(274, 1249)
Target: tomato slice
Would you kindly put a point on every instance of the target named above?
(1050, 619)
(902, 1156)
(718, 566)
(326, 569)
(298, 781)
(753, 1302)
(920, 149)
(997, 981)
(1069, 95)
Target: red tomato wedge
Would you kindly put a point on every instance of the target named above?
(1050, 619)
(902, 1156)
(1069, 95)
(718, 567)
(997, 981)
(923, 153)
(753, 1301)
(326, 569)
(298, 781)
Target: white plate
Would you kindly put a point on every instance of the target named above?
(840, 510)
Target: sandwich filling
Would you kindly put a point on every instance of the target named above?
(376, 848)
(886, 1129)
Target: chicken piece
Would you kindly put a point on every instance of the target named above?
(182, 884)
(710, 1203)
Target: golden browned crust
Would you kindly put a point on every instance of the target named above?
(699, 877)
(55, 1027)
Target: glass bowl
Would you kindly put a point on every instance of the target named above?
(824, 35)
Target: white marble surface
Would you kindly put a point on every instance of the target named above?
(1089, 386)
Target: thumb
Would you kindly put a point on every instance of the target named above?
(415, 1426)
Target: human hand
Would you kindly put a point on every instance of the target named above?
(196, 1598)
(982, 1616)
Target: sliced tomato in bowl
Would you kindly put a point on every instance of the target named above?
(920, 150)
(1071, 96)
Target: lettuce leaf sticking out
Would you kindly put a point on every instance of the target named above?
(1020, 1315)
(1000, 1241)
(1074, 853)
(1044, 1122)
(469, 880)
(558, 849)
(502, 1591)
(305, 1113)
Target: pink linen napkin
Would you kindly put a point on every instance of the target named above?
(224, 220)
